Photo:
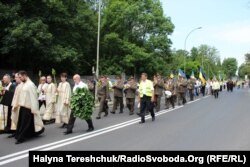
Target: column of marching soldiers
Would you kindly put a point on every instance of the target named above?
(22, 100)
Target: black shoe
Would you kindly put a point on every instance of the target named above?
(11, 136)
(153, 119)
(19, 141)
(90, 129)
(7, 130)
(46, 122)
(98, 117)
(63, 125)
(67, 132)
(120, 112)
(53, 120)
(106, 114)
(131, 113)
(173, 106)
(139, 114)
(112, 112)
(141, 122)
(2, 132)
(167, 108)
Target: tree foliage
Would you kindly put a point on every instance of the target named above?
(135, 37)
(244, 68)
(230, 67)
(204, 56)
(45, 34)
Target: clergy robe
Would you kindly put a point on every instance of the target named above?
(29, 123)
(62, 110)
(6, 109)
(15, 106)
(50, 93)
(42, 97)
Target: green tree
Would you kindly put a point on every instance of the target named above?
(135, 37)
(230, 67)
(47, 33)
(194, 54)
(244, 68)
(203, 56)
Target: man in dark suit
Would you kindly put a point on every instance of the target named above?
(118, 94)
(7, 93)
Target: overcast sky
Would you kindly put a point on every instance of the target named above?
(225, 25)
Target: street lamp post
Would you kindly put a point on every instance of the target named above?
(98, 47)
(98, 39)
(185, 44)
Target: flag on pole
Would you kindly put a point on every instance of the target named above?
(172, 75)
(181, 73)
(202, 76)
(192, 75)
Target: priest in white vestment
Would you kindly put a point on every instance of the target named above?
(29, 122)
(63, 99)
(50, 94)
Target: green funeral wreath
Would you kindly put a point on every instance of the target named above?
(82, 103)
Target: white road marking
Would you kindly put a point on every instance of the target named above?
(68, 141)
(206, 96)
(193, 101)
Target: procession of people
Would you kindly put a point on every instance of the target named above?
(21, 100)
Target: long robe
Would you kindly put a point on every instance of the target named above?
(62, 110)
(27, 98)
(50, 93)
(40, 89)
(15, 106)
(5, 110)
(3, 116)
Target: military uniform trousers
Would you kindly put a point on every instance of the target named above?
(181, 97)
(157, 102)
(169, 101)
(118, 101)
(130, 104)
(191, 94)
(103, 105)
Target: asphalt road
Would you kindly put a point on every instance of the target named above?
(205, 124)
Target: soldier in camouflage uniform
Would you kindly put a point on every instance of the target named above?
(103, 96)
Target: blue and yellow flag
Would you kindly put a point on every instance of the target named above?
(192, 75)
(172, 75)
(181, 73)
(202, 76)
